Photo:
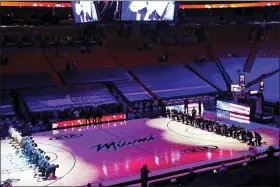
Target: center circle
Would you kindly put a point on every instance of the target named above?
(198, 131)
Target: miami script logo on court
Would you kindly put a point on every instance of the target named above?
(197, 149)
(115, 146)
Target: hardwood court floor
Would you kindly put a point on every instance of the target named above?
(114, 152)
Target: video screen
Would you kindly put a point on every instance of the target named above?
(35, 4)
(148, 10)
(242, 80)
(79, 122)
(84, 11)
(108, 10)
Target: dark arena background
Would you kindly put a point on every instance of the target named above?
(138, 93)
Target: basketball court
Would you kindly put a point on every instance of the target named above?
(113, 153)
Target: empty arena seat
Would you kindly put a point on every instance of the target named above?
(171, 80)
(232, 65)
(266, 64)
(94, 75)
(25, 61)
(186, 53)
(269, 47)
(97, 57)
(215, 77)
(237, 43)
(55, 98)
(136, 57)
(262, 66)
(132, 90)
(129, 51)
(268, 51)
(271, 88)
(26, 80)
(272, 91)
(122, 42)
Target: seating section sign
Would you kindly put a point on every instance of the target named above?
(72, 100)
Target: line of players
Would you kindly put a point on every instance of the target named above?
(233, 131)
(35, 157)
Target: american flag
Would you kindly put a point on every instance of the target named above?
(233, 116)
(234, 108)
(233, 111)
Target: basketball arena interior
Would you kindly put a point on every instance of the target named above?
(139, 93)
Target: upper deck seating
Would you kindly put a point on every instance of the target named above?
(98, 57)
(266, 51)
(25, 61)
(186, 53)
(270, 46)
(231, 39)
(136, 57)
(126, 49)
(171, 80)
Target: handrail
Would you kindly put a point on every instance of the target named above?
(225, 75)
(251, 55)
(261, 77)
(119, 92)
(221, 68)
(133, 75)
(199, 75)
(142, 84)
(61, 81)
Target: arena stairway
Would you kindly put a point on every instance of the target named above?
(19, 105)
(194, 70)
(171, 80)
(6, 108)
(211, 50)
(199, 75)
(114, 87)
(112, 53)
(132, 90)
(232, 65)
(134, 77)
(55, 75)
(227, 78)
(251, 58)
(214, 78)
